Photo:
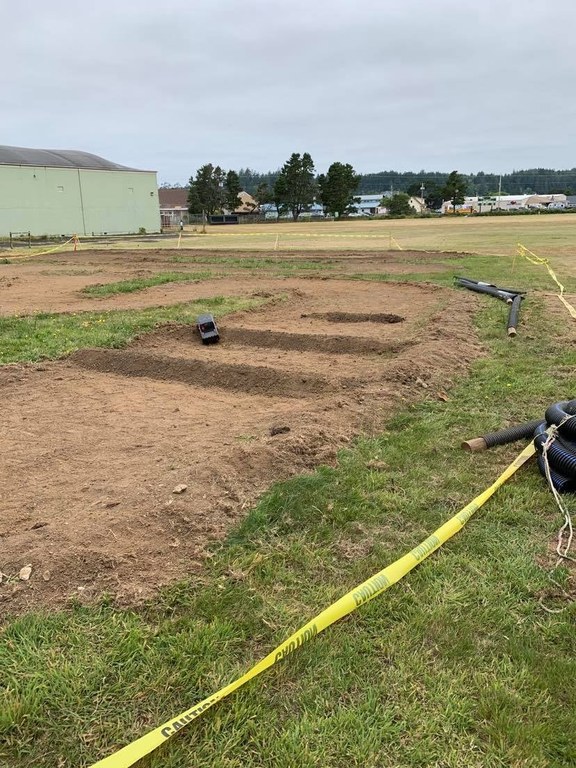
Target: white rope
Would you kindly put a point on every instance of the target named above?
(563, 545)
(562, 549)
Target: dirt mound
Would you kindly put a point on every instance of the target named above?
(352, 317)
(309, 342)
(236, 378)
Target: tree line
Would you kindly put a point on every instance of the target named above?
(527, 182)
(215, 187)
(296, 187)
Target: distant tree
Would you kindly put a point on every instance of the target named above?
(398, 205)
(433, 196)
(194, 202)
(278, 196)
(414, 189)
(455, 189)
(263, 194)
(250, 180)
(231, 190)
(295, 187)
(206, 190)
(337, 189)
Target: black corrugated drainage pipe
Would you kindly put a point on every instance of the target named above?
(561, 452)
(508, 295)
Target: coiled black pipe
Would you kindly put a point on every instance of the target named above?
(562, 484)
(561, 453)
(562, 460)
(558, 413)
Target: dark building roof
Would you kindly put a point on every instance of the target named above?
(57, 158)
(173, 197)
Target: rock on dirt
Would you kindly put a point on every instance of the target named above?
(278, 429)
(180, 488)
(25, 573)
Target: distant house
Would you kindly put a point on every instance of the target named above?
(246, 205)
(173, 206)
(505, 203)
(418, 204)
(369, 205)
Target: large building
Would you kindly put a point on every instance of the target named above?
(65, 192)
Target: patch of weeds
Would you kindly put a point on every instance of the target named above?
(141, 283)
(49, 336)
(264, 263)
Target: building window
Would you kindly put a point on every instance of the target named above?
(131, 190)
(60, 189)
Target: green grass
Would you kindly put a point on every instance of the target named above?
(49, 336)
(282, 264)
(456, 666)
(141, 283)
(504, 271)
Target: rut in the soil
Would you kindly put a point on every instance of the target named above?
(256, 380)
(309, 342)
(356, 317)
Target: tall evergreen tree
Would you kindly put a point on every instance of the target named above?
(206, 191)
(337, 189)
(279, 196)
(263, 194)
(455, 189)
(231, 190)
(295, 187)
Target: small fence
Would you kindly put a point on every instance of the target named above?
(19, 239)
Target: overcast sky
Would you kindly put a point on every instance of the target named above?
(383, 84)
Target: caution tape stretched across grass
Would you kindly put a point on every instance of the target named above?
(361, 594)
(74, 239)
(534, 259)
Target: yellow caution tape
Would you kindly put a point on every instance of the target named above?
(43, 253)
(361, 594)
(294, 235)
(531, 257)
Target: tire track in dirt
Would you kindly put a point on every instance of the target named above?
(260, 380)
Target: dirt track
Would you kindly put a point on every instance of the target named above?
(53, 283)
(95, 445)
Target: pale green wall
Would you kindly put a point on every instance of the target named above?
(66, 201)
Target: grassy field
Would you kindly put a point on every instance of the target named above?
(457, 666)
(552, 236)
(50, 336)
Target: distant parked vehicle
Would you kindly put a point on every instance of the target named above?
(208, 329)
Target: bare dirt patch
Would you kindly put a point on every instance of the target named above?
(95, 445)
(356, 317)
(54, 283)
(228, 376)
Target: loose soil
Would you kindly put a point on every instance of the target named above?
(54, 283)
(94, 445)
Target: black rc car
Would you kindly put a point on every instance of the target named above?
(208, 329)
